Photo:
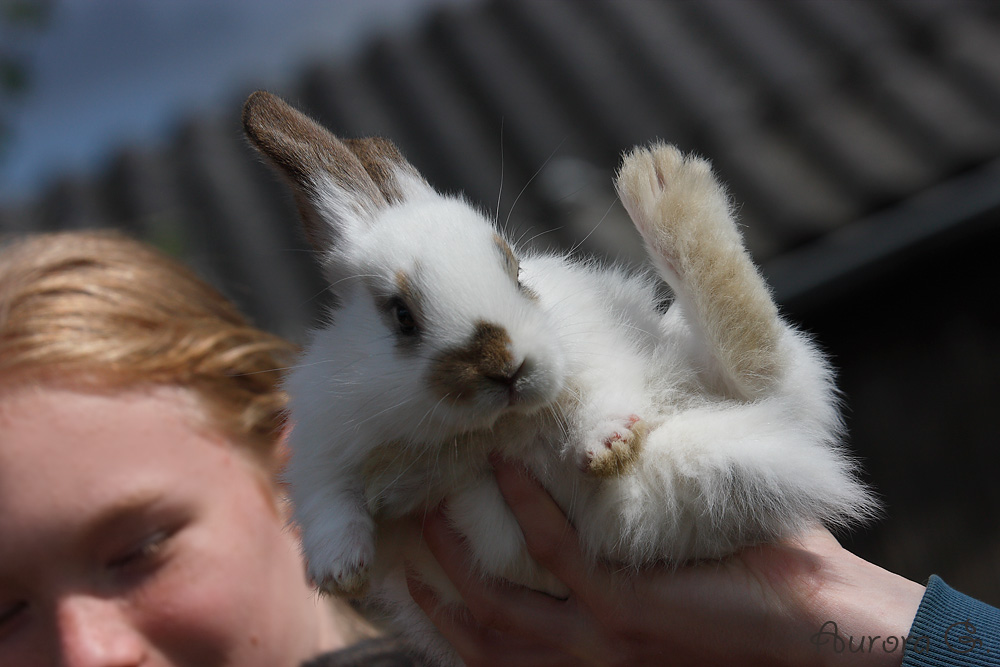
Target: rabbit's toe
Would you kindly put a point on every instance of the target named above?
(343, 570)
(344, 581)
(614, 447)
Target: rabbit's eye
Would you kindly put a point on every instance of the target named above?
(404, 317)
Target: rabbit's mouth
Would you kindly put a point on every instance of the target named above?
(527, 388)
(530, 387)
(486, 373)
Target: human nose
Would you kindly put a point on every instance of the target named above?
(96, 632)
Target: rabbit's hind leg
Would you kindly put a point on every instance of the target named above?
(684, 216)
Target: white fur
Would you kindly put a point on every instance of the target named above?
(718, 470)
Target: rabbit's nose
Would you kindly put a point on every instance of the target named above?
(509, 375)
(520, 382)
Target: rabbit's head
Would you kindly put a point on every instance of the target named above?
(433, 316)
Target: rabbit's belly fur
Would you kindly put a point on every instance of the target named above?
(714, 474)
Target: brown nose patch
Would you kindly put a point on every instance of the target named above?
(460, 372)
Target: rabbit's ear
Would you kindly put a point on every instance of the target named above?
(338, 184)
(395, 178)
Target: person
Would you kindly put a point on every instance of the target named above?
(141, 421)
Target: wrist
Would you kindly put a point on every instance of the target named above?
(862, 613)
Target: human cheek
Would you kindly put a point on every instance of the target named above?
(225, 597)
(186, 613)
(200, 593)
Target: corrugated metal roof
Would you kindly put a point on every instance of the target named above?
(817, 114)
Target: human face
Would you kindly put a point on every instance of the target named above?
(131, 533)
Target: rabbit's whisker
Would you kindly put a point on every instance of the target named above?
(533, 176)
(579, 244)
(496, 217)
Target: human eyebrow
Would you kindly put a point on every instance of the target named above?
(121, 509)
(128, 514)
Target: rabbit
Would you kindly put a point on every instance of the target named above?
(665, 434)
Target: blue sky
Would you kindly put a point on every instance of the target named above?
(107, 72)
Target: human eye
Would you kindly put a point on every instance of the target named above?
(147, 551)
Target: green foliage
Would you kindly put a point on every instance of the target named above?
(13, 75)
(29, 13)
(17, 17)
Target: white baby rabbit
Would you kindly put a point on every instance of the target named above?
(664, 437)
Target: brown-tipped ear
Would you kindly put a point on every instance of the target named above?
(385, 165)
(333, 188)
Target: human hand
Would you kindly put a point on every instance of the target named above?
(760, 606)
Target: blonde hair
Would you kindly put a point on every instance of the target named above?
(104, 311)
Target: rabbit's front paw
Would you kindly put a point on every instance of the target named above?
(343, 568)
(613, 447)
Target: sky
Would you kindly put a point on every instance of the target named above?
(108, 72)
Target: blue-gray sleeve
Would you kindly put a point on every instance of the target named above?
(952, 629)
